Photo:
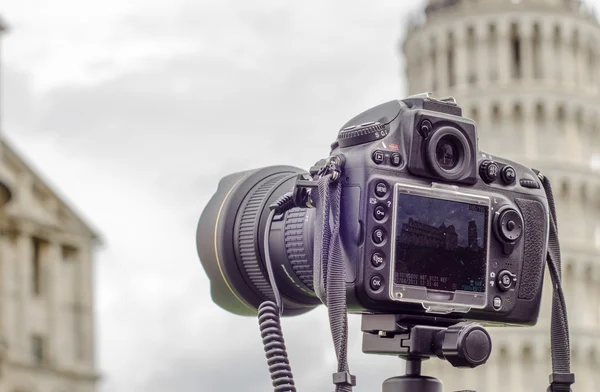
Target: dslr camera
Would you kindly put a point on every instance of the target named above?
(430, 227)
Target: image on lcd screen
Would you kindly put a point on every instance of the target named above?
(440, 244)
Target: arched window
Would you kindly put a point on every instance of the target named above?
(561, 116)
(540, 114)
(583, 191)
(564, 189)
(591, 64)
(557, 45)
(496, 113)
(527, 353)
(577, 78)
(579, 121)
(569, 272)
(517, 113)
(475, 114)
(515, 44)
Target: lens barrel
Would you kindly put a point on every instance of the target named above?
(230, 242)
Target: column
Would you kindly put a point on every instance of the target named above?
(516, 364)
(530, 129)
(583, 73)
(485, 129)
(23, 266)
(5, 294)
(420, 67)
(596, 294)
(86, 291)
(53, 285)
(482, 49)
(548, 60)
(504, 52)
(558, 42)
(568, 56)
(596, 69)
(428, 67)
(579, 300)
(460, 58)
(441, 42)
(572, 152)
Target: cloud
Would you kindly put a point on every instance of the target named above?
(234, 86)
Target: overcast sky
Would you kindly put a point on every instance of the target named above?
(134, 109)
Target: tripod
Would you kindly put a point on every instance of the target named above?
(463, 345)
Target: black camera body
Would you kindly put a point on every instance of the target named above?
(431, 228)
(430, 225)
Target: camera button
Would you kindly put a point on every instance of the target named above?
(528, 183)
(377, 259)
(379, 236)
(489, 171)
(497, 303)
(509, 175)
(381, 189)
(378, 157)
(395, 159)
(380, 213)
(376, 283)
(506, 280)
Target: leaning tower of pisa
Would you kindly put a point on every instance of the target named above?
(528, 72)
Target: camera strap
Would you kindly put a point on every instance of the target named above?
(330, 284)
(330, 273)
(561, 378)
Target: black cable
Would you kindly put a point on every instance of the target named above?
(269, 316)
(276, 293)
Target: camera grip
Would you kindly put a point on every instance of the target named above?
(534, 249)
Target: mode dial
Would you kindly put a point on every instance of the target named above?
(363, 133)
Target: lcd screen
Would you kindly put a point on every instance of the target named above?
(440, 244)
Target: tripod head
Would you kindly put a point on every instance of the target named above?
(463, 344)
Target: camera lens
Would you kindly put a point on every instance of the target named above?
(448, 152)
(230, 242)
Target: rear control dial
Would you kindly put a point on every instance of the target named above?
(509, 225)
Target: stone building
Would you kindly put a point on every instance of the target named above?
(528, 72)
(46, 289)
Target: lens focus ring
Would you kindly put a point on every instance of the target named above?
(248, 236)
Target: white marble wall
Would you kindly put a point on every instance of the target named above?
(547, 116)
(66, 294)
